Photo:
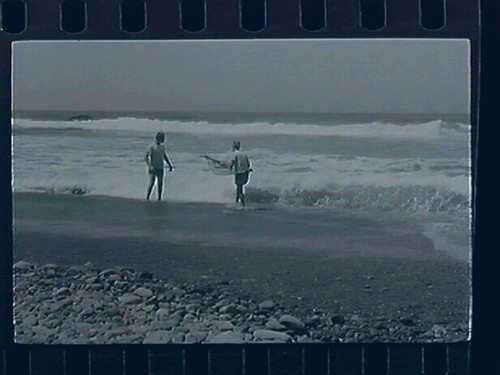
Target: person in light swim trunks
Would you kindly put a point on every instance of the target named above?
(241, 167)
(155, 157)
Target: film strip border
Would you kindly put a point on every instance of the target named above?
(256, 359)
(221, 19)
(202, 19)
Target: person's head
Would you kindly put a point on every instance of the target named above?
(236, 145)
(160, 137)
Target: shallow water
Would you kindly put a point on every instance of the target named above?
(336, 173)
(326, 232)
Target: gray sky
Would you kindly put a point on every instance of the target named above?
(357, 76)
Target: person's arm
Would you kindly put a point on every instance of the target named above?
(147, 158)
(220, 163)
(170, 166)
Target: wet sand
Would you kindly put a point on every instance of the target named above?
(427, 286)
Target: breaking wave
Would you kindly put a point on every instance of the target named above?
(412, 199)
(408, 200)
(75, 158)
(427, 130)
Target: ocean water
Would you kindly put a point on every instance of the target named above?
(415, 171)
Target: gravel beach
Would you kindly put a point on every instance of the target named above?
(97, 270)
(87, 305)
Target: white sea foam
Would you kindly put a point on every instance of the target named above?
(373, 168)
(287, 171)
(429, 130)
(288, 178)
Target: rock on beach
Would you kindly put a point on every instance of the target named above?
(265, 334)
(55, 304)
(143, 292)
(22, 265)
(292, 322)
(230, 337)
(129, 299)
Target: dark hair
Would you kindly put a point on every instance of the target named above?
(160, 137)
(236, 145)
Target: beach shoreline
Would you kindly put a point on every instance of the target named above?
(425, 291)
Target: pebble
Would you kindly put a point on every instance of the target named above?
(148, 308)
(305, 340)
(266, 305)
(222, 302)
(146, 276)
(143, 292)
(227, 338)
(86, 312)
(162, 314)
(407, 322)
(189, 318)
(113, 278)
(337, 319)
(265, 334)
(58, 305)
(84, 305)
(292, 322)
(22, 265)
(224, 325)
(49, 266)
(438, 331)
(129, 299)
(158, 337)
(30, 320)
(274, 325)
(380, 326)
(107, 272)
(167, 324)
(228, 309)
(114, 311)
(178, 338)
(194, 338)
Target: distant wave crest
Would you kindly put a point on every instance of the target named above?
(427, 130)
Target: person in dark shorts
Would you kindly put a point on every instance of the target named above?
(155, 157)
(241, 167)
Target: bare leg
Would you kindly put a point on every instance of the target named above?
(151, 184)
(239, 194)
(160, 187)
(242, 197)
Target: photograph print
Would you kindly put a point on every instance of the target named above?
(242, 191)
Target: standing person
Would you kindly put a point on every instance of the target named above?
(240, 165)
(155, 156)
